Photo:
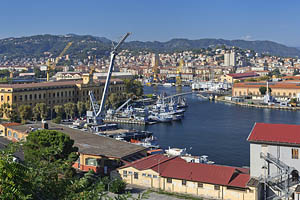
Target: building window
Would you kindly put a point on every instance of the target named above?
(183, 182)
(295, 154)
(124, 173)
(15, 135)
(154, 176)
(200, 185)
(7, 98)
(217, 187)
(9, 133)
(130, 173)
(91, 161)
(2, 98)
(136, 175)
(40, 96)
(169, 180)
(34, 96)
(144, 174)
(149, 175)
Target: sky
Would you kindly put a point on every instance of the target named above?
(155, 20)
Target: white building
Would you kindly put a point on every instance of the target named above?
(275, 160)
(230, 59)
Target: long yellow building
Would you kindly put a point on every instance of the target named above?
(174, 174)
(56, 93)
(281, 90)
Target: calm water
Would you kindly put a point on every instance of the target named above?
(215, 129)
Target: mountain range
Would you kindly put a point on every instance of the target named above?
(84, 45)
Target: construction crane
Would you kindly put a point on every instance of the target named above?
(97, 113)
(52, 65)
(179, 72)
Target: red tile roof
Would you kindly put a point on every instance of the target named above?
(275, 133)
(243, 75)
(177, 168)
(10, 124)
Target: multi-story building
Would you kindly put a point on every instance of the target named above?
(275, 159)
(230, 59)
(56, 93)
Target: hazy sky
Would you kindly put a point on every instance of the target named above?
(148, 20)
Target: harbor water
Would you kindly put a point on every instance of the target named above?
(215, 129)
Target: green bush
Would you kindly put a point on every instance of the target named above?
(116, 186)
(57, 120)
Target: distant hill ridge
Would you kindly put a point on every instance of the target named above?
(83, 45)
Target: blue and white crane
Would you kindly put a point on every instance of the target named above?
(97, 115)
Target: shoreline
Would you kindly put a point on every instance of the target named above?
(258, 106)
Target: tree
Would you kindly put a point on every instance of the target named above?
(133, 86)
(25, 113)
(14, 177)
(49, 156)
(9, 111)
(263, 90)
(59, 110)
(40, 111)
(81, 107)
(70, 109)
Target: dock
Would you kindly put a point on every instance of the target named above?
(124, 121)
(260, 106)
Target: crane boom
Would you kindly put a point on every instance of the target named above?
(52, 65)
(112, 59)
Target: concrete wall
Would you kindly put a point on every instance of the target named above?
(284, 153)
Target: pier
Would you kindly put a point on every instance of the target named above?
(177, 95)
(124, 121)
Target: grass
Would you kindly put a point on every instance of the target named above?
(177, 195)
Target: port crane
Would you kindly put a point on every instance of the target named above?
(96, 116)
(51, 65)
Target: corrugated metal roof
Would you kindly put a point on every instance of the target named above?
(276, 133)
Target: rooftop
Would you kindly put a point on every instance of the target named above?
(284, 84)
(89, 143)
(177, 168)
(275, 133)
(243, 75)
(50, 84)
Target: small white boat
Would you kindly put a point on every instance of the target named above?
(167, 85)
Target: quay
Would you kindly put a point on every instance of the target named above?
(259, 106)
(124, 121)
